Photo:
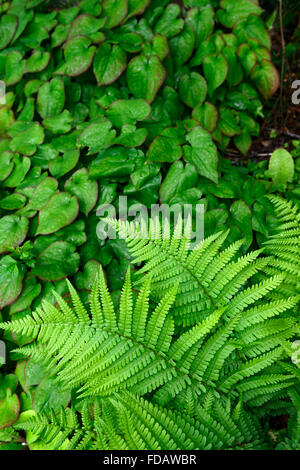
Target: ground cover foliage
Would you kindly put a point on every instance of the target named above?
(142, 99)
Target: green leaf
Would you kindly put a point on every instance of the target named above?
(166, 147)
(14, 68)
(49, 397)
(31, 290)
(6, 164)
(84, 188)
(145, 75)
(266, 78)
(85, 280)
(26, 137)
(281, 167)
(182, 45)
(13, 230)
(137, 7)
(236, 11)
(59, 211)
(203, 153)
(38, 61)
(59, 124)
(109, 63)
(207, 114)
(11, 275)
(13, 202)
(228, 123)
(242, 217)
(51, 98)
(128, 111)
(202, 23)
(115, 11)
(62, 164)
(215, 71)
(57, 261)
(96, 136)
(9, 410)
(85, 25)
(42, 193)
(168, 25)
(192, 89)
(131, 136)
(8, 26)
(78, 53)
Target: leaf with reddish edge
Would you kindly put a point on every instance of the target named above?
(13, 231)
(78, 53)
(56, 262)
(11, 276)
(109, 63)
(61, 210)
(84, 188)
(266, 78)
(145, 75)
(115, 11)
(9, 410)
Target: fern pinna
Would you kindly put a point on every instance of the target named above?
(142, 382)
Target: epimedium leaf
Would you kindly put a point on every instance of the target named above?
(182, 45)
(85, 25)
(169, 24)
(202, 153)
(42, 193)
(49, 397)
(84, 188)
(207, 114)
(128, 111)
(145, 75)
(109, 63)
(137, 7)
(115, 11)
(96, 136)
(62, 164)
(85, 279)
(131, 136)
(26, 137)
(9, 409)
(13, 201)
(78, 53)
(232, 12)
(192, 89)
(13, 231)
(56, 262)
(215, 70)
(59, 124)
(14, 67)
(166, 147)
(8, 26)
(21, 168)
(202, 22)
(59, 211)
(242, 217)
(6, 164)
(38, 61)
(228, 123)
(31, 290)
(266, 78)
(11, 276)
(51, 98)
